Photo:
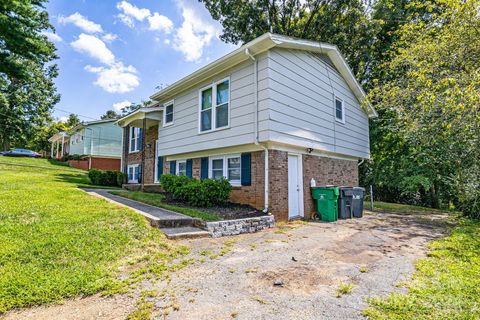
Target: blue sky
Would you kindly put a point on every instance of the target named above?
(115, 52)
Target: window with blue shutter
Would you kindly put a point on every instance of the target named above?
(173, 165)
(140, 143)
(189, 168)
(246, 165)
(159, 167)
(140, 170)
(204, 168)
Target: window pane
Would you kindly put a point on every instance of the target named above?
(222, 116)
(234, 169)
(222, 92)
(217, 164)
(206, 120)
(182, 168)
(338, 109)
(207, 99)
(169, 109)
(169, 118)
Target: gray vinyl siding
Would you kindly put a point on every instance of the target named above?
(301, 94)
(183, 136)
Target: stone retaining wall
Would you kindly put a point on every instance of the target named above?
(238, 226)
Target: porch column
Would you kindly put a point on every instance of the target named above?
(56, 155)
(51, 151)
(63, 141)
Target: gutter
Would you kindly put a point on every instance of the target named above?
(255, 103)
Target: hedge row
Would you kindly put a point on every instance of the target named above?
(199, 193)
(106, 177)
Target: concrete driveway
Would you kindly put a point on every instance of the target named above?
(294, 271)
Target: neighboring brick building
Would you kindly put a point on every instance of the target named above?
(277, 110)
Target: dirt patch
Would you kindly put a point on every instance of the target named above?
(228, 211)
(301, 279)
(93, 307)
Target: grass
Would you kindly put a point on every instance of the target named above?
(397, 207)
(155, 199)
(59, 242)
(446, 284)
(344, 288)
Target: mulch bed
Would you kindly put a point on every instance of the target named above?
(229, 211)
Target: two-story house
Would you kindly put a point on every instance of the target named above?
(98, 142)
(269, 117)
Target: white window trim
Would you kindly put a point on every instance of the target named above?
(177, 166)
(235, 183)
(137, 140)
(335, 110)
(133, 166)
(172, 103)
(213, 85)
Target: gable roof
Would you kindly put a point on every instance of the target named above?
(262, 44)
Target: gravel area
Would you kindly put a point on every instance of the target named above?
(289, 272)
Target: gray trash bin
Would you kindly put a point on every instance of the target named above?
(357, 205)
(345, 200)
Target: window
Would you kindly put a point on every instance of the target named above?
(168, 114)
(228, 167)
(134, 139)
(181, 168)
(339, 110)
(214, 106)
(133, 173)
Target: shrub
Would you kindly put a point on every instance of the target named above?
(121, 178)
(199, 193)
(105, 177)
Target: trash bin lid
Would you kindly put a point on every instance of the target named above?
(347, 192)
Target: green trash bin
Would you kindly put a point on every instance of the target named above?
(327, 202)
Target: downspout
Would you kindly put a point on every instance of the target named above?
(255, 102)
(360, 163)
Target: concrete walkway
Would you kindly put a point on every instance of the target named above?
(173, 224)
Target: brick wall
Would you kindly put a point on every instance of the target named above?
(278, 184)
(149, 138)
(254, 194)
(79, 164)
(326, 171)
(105, 163)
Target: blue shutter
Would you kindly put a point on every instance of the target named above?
(189, 168)
(173, 165)
(140, 142)
(204, 168)
(159, 167)
(246, 174)
(140, 169)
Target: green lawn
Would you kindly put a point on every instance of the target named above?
(446, 284)
(156, 200)
(57, 241)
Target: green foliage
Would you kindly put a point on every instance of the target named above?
(428, 135)
(27, 89)
(445, 285)
(200, 193)
(110, 114)
(344, 23)
(105, 177)
(59, 242)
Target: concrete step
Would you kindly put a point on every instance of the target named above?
(184, 233)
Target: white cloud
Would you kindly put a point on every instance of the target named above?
(116, 78)
(52, 36)
(131, 12)
(63, 119)
(195, 33)
(166, 41)
(81, 22)
(120, 105)
(109, 37)
(94, 47)
(160, 22)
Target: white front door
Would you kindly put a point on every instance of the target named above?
(293, 186)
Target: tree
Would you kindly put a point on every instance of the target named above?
(110, 114)
(27, 90)
(72, 120)
(345, 23)
(432, 100)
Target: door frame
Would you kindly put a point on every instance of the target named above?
(301, 212)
